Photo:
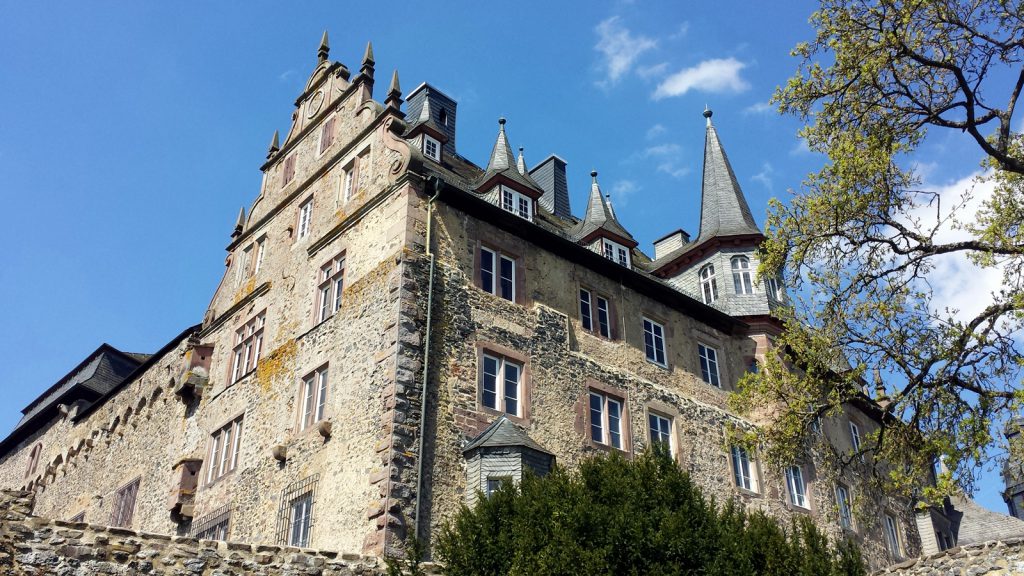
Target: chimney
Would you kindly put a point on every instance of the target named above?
(442, 110)
(671, 241)
(550, 176)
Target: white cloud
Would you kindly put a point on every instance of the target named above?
(662, 150)
(800, 148)
(620, 48)
(764, 176)
(672, 169)
(622, 190)
(284, 76)
(717, 75)
(652, 71)
(655, 131)
(759, 108)
(680, 32)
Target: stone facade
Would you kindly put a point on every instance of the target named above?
(994, 558)
(297, 411)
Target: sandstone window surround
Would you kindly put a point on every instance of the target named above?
(654, 342)
(295, 516)
(845, 504)
(796, 487)
(607, 417)
(329, 290)
(313, 393)
(892, 537)
(225, 443)
(741, 275)
(261, 251)
(596, 313)
(504, 382)
(288, 170)
(326, 135)
(248, 345)
(244, 269)
(709, 372)
(124, 504)
(33, 459)
(744, 470)
(660, 430)
(499, 270)
(351, 173)
(305, 218)
(708, 283)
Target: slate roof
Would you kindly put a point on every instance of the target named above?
(426, 122)
(503, 162)
(979, 524)
(502, 432)
(599, 216)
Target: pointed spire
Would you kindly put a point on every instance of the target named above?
(394, 96)
(239, 224)
(501, 156)
(723, 210)
(600, 216)
(521, 162)
(274, 145)
(367, 67)
(608, 201)
(324, 50)
(425, 111)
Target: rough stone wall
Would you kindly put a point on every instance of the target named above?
(995, 558)
(31, 545)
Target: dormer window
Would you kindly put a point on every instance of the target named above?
(431, 148)
(615, 252)
(516, 203)
(708, 284)
(741, 275)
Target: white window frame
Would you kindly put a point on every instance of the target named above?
(660, 430)
(494, 483)
(741, 279)
(225, 443)
(313, 394)
(427, 143)
(595, 313)
(300, 520)
(771, 285)
(855, 438)
(497, 282)
(845, 505)
(606, 416)
(248, 345)
(261, 249)
(330, 288)
(514, 202)
(616, 252)
(709, 370)
(348, 180)
(655, 331)
(505, 372)
(796, 487)
(305, 218)
(708, 283)
(744, 470)
(892, 536)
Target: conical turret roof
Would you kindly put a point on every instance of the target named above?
(600, 216)
(502, 432)
(723, 209)
(503, 163)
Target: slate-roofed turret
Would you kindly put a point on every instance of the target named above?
(502, 165)
(425, 123)
(600, 219)
(723, 209)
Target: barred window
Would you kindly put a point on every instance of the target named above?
(124, 504)
(295, 517)
(213, 526)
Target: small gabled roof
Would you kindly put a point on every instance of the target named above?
(502, 432)
(503, 164)
(425, 123)
(600, 216)
(723, 208)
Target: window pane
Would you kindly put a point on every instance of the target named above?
(585, 318)
(507, 278)
(487, 270)
(649, 341)
(615, 422)
(596, 417)
(512, 388)
(603, 320)
(506, 199)
(308, 390)
(490, 392)
(321, 397)
(337, 294)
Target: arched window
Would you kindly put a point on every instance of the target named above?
(741, 275)
(708, 285)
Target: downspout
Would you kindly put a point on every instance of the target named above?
(435, 184)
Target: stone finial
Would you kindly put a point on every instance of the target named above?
(274, 145)
(239, 224)
(324, 50)
(367, 68)
(521, 162)
(394, 96)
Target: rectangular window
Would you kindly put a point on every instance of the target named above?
(606, 419)
(501, 384)
(660, 428)
(261, 249)
(213, 526)
(124, 504)
(295, 516)
(708, 365)
(595, 307)
(313, 398)
(498, 274)
(892, 538)
(855, 439)
(244, 265)
(332, 280)
(845, 510)
(327, 135)
(224, 445)
(431, 148)
(289, 170)
(772, 287)
(349, 181)
(305, 217)
(654, 342)
(742, 470)
(248, 345)
(796, 487)
(586, 319)
(516, 203)
(615, 252)
(604, 327)
(494, 483)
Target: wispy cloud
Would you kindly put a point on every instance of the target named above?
(680, 32)
(622, 191)
(652, 71)
(662, 150)
(759, 108)
(619, 48)
(765, 175)
(286, 75)
(800, 148)
(655, 131)
(673, 169)
(716, 75)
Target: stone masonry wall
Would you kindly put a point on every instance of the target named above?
(31, 545)
(996, 558)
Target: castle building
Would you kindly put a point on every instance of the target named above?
(399, 331)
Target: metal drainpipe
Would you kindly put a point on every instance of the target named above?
(436, 184)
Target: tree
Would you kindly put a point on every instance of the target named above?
(862, 239)
(613, 516)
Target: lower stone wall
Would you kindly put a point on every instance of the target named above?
(31, 545)
(994, 558)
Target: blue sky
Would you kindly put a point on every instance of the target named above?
(130, 134)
